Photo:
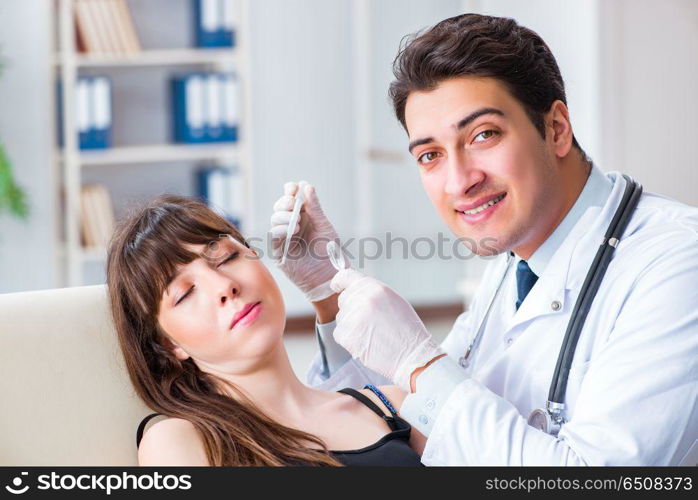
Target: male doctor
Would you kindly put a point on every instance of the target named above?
(483, 104)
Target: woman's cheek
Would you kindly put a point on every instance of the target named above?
(184, 329)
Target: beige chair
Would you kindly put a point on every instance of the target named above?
(66, 397)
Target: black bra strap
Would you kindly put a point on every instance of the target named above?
(141, 427)
(372, 406)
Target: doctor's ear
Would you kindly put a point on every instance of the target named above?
(558, 129)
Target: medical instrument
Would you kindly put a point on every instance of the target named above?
(336, 256)
(550, 418)
(295, 215)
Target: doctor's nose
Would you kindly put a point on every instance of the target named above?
(461, 177)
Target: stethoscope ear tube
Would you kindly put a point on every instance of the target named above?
(603, 256)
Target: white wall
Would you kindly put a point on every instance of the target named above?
(303, 119)
(649, 81)
(27, 249)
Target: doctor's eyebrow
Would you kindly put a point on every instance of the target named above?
(460, 125)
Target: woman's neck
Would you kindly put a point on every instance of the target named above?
(275, 389)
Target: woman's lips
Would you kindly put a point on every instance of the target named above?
(246, 315)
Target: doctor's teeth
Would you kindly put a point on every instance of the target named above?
(483, 206)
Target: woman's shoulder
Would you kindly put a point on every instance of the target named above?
(172, 441)
(394, 394)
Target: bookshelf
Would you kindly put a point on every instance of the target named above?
(172, 57)
(70, 161)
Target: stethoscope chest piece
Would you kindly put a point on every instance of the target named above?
(548, 420)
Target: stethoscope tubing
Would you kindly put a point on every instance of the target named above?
(592, 282)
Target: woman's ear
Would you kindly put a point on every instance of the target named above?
(180, 353)
(175, 349)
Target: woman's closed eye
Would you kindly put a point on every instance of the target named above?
(191, 289)
(229, 258)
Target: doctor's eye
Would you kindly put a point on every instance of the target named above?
(427, 157)
(485, 134)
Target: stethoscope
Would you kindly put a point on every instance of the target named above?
(550, 418)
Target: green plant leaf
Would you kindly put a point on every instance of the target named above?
(12, 198)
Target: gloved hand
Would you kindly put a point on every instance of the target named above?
(307, 263)
(380, 328)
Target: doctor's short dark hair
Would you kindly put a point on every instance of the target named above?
(483, 46)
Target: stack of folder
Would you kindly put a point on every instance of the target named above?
(214, 23)
(205, 108)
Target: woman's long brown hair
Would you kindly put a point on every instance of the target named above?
(144, 253)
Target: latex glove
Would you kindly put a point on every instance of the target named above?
(380, 328)
(307, 264)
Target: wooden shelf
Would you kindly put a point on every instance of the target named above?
(170, 57)
(158, 153)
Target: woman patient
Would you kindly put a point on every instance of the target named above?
(200, 321)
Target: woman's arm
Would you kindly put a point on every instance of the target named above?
(173, 441)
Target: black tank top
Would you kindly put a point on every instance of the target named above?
(392, 450)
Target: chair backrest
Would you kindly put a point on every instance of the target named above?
(66, 398)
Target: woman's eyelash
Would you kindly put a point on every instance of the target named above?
(230, 257)
(185, 295)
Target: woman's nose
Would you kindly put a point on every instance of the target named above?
(228, 288)
(230, 292)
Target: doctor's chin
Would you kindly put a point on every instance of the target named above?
(360, 234)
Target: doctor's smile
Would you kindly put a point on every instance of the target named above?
(482, 210)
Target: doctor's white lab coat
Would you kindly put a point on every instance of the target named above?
(633, 385)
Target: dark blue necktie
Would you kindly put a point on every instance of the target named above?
(525, 279)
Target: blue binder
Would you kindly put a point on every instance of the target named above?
(221, 189)
(100, 113)
(188, 108)
(93, 112)
(214, 107)
(213, 23)
(231, 106)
